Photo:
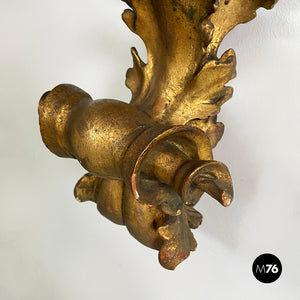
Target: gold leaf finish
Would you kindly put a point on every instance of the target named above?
(150, 161)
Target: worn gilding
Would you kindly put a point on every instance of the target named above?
(150, 161)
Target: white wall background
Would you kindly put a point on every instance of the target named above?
(52, 247)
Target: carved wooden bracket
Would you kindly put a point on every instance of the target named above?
(150, 161)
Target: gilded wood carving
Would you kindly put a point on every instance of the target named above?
(150, 161)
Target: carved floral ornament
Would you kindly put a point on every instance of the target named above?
(150, 161)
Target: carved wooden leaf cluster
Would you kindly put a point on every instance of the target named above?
(184, 82)
(183, 78)
(178, 239)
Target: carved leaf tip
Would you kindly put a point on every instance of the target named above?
(269, 4)
(214, 130)
(129, 17)
(135, 75)
(178, 239)
(230, 13)
(87, 187)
